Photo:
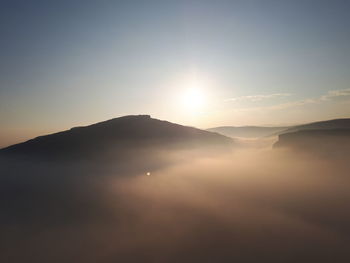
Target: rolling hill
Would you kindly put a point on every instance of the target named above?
(324, 142)
(320, 125)
(329, 138)
(119, 138)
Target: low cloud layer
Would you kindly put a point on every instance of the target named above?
(248, 206)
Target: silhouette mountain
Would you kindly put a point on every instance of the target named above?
(247, 131)
(118, 138)
(325, 142)
(327, 138)
(321, 125)
(261, 131)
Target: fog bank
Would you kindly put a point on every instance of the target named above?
(252, 205)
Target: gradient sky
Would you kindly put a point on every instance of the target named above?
(71, 63)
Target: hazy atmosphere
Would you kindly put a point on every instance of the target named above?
(175, 131)
(71, 63)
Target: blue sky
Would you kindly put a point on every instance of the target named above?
(69, 63)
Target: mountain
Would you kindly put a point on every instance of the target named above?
(326, 138)
(261, 131)
(325, 142)
(118, 139)
(321, 125)
(247, 131)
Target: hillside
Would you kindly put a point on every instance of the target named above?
(117, 139)
(321, 125)
(325, 142)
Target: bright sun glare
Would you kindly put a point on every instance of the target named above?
(194, 99)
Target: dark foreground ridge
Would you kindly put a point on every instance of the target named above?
(329, 138)
(117, 138)
(323, 142)
(321, 125)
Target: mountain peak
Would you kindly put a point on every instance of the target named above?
(117, 137)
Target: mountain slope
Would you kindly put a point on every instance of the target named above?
(321, 125)
(325, 142)
(118, 138)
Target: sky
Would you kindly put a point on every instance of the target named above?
(198, 63)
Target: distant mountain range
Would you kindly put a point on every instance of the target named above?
(139, 136)
(121, 138)
(247, 131)
(331, 137)
(262, 131)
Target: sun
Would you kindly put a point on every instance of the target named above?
(193, 99)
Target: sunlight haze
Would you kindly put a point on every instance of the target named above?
(68, 64)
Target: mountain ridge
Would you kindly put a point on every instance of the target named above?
(117, 137)
(340, 123)
(253, 131)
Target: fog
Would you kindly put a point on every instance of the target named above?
(255, 204)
